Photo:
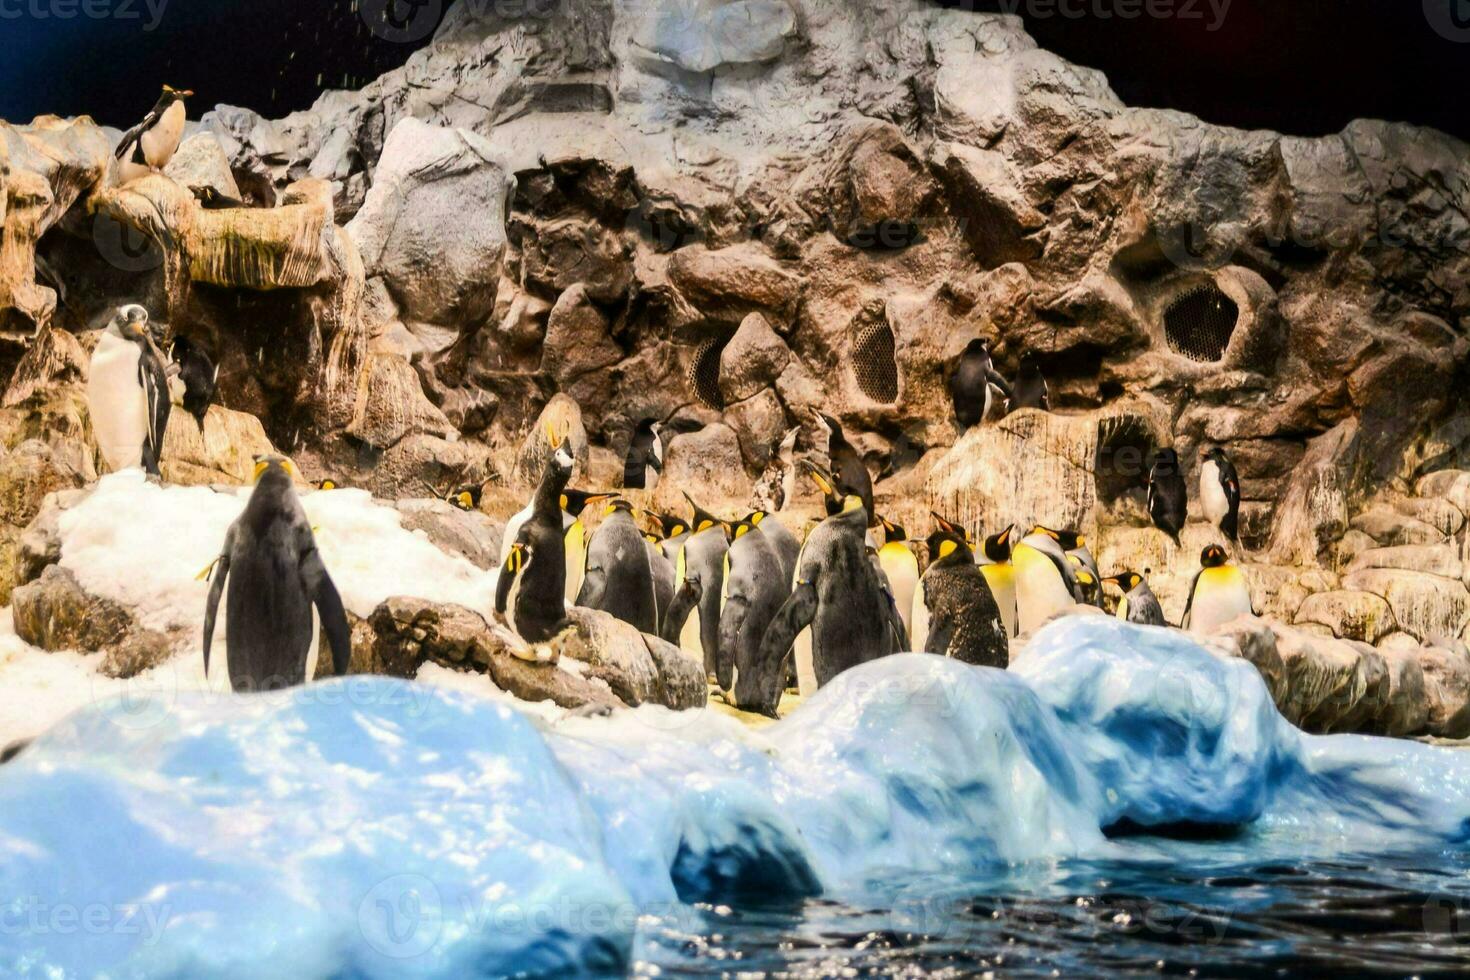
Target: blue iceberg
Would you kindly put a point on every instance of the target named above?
(368, 827)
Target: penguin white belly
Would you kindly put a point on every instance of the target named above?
(1040, 590)
(919, 629)
(806, 671)
(902, 569)
(117, 403)
(1212, 494)
(1220, 595)
(1002, 581)
(512, 528)
(127, 170)
(313, 653)
(650, 479)
(162, 140)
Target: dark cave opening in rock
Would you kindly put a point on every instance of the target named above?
(1200, 322)
(704, 372)
(1124, 445)
(874, 364)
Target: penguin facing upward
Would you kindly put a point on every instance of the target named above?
(1219, 492)
(693, 621)
(754, 591)
(1000, 575)
(838, 594)
(1029, 390)
(1046, 580)
(832, 495)
(645, 459)
(619, 578)
(275, 577)
(1168, 500)
(964, 620)
(901, 567)
(128, 393)
(150, 145)
(847, 465)
(513, 525)
(1138, 604)
(970, 383)
(199, 376)
(1219, 593)
(531, 593)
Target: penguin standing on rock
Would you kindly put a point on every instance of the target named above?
(150, 145)
(970, 384)
(531, 592)
(1030, 389)
(1168, 500)
(755, 590)
(645, 457)
(619, 578)
(128, 393)
(964, 620)
(1219, 492)
(847, 465)
(275, 576)
(1218, 595)
(1139, 604)
(198, 376)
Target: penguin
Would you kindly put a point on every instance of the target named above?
(1219, 492)
(14, 749)
(212, 200)
(1029, 390)
(837, 593)
(1000, 575)
(128, 393)
(466, 498)
(776, 488)
(754, 591)
(1089, 586)
(1046, 580)
(781, 538)
(693, 621)
(1168, 500)
(531, 592)
(571, 503)
(919, 628)
(674, 531)
(326, 483)
(619, 578)
(832, 496)
(970, 383)
(275, 576)
(901, 567)
(645, 457)
(150, 145)
(847, 465)
(964, 619)
(1139, 604)
(199, 376)
(1219, 593)
(663, 579)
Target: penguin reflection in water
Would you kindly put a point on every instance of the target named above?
(275, 576)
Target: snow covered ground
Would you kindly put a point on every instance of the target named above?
(376, 828)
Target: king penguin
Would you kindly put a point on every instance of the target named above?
(970, 384)
(128, 393)
(1168, 500)
(754, 591)
(1219, 492)
(838, 594)
(150, 145)
(275, 576)
(901, 567)
(619, 578)
(645, 457)
(1139, 604)
(663, 579)
(198, 375)
(574, 537)
(1000, 575)
(693, 621)
(1046, 580)
(1219, 594)
(919, 628)
(781, 538)
(964, 621)
(847, 465)
(531, 592)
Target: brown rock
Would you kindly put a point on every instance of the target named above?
(391, 404)
(737, 280)
(1426, 606)
(707, 464)
(1447, 687)
(1349, 615)
(223, 451)
(55, 613)
(752, 360)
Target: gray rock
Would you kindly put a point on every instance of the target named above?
(1432, 559)
(56, 613)
(1348, 615)
(1423, 605)
(1389, 526)
(707, 464)
(752, 360)
(201, 162)
(471, 534)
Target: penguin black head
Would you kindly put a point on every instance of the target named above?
(671, 526)
(212, 200)
(273, 467)
(576, 501)
(947, 549)
(619, 504)
(1069, 540)
(703, 519)
(1213, 556)
(1126, 581)
(172, 95)
(326, 483)
(130, 323)
(1030, 366)
(740, 529)
(892, 531)
(754, 518)
(949, 527)
(998, 546)
(1166, 460)
(1214, 455)
(466, 497)
(977, 346)
(562, 459)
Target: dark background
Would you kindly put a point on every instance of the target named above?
(1304, 67)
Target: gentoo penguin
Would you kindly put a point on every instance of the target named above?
(847, 466)
(970, 383)
(901, 567)
(754, 592)
(838, 594)
(1219, 492)
(198, 375)
(693, 621)
(1168, 500)
(1219, 594)
(1139, 604)
(781, 538)
(151, 144)
(533, 576)
(1029, 390)
(275, 576)
(1000, 575)
(645, 457)
(128, 393)
(964, 620)
(619, 577)
(1046, 580)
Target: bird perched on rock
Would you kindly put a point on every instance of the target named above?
(645, 457)
(212, 200)
(619, 576)
(847, 465)
(971, 381)
(128, 393)
(1168, 500)
(1138, 604)
(531, 592)
(198, 377)
(1218, 595)
(275, 577)
(1029, 390)
(150, 145)
(964, 620)
(1219, 492)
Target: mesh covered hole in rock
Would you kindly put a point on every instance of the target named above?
(704, 372)
(1200, 322)
(873, 361)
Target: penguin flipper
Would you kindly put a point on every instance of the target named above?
(133, 136)
(993, 377)
(732, 621)
(502, 587)
(941, 632)
(211, 606)
(684, 602)
(1189, 603)
(896, 629)
(328, 602)
(795, 615)
(594, 587)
